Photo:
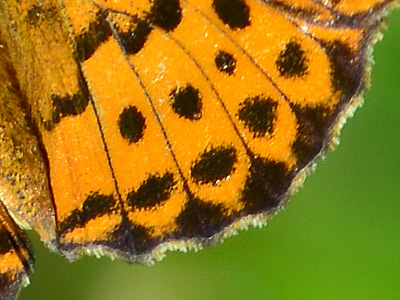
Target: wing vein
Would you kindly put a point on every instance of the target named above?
(153, 109)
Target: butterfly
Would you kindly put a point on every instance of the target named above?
(130, 128)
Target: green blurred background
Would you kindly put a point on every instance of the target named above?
(338, 239)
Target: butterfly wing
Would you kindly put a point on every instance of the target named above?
(16, 259)
(172, 124)
(25, 200)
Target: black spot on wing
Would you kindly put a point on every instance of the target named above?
(133, 41)
(166, 14)
(214, 165)
(265, 186)
(154, 191)
(131, 124)
(234, 13)
(131, 239)
(69, 105)
(312, 130)
(225, 62)
(292, 61)
(201, 219)
(94, 206)
(345, 73)
(187, 102)
(5, 242)
(258, 115)
(98, 32)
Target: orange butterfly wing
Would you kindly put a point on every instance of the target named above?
(172, 124)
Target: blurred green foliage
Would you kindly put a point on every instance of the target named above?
(338, 239)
